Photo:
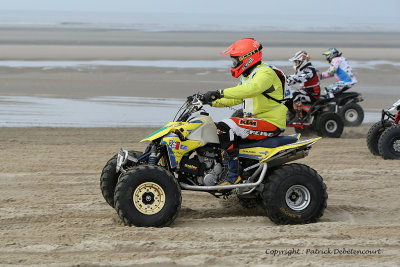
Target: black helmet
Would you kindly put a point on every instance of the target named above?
(331, 54)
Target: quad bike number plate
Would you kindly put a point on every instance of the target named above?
(121, 159)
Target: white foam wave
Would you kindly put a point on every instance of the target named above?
(216, 64)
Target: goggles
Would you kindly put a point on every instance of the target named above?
(235, 62)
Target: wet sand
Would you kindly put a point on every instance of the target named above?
(52, 212)
(379, 85)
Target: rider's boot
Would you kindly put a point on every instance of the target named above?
(232, 176)
(297, 113)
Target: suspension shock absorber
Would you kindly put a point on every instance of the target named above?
(153, 159)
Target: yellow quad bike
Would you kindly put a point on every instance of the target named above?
(145, 188)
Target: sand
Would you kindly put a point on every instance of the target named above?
(52, 212)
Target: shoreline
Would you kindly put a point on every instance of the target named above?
(176, 52)
(378, 84)
(106, 112)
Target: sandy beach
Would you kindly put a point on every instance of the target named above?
(52, 212)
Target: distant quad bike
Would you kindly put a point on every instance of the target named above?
(348, 109)
(384, 136)
(145, 188)
(320, 118)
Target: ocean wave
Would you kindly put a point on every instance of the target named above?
(216, 64)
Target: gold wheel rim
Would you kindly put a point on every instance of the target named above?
(149, 198)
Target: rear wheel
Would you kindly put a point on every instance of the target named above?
(352, 114)
(330, 124)
(374, 134)
(109, 177)
(148, 196)
(389, 143)
(294, 194)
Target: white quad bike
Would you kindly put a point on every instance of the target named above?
(145, 188)
(383, 137)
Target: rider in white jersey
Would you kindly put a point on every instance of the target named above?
(340, 69)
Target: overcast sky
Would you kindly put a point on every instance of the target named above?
(246, 8)
(283, 13)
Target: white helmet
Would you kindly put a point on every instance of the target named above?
(300, 59)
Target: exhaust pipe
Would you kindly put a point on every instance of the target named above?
(262, 169)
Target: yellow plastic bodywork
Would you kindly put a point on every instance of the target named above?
(263, 154)
(177, 148)
(184, 127)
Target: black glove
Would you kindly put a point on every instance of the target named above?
(211, 96)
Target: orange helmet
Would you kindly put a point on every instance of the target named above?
(244, 53)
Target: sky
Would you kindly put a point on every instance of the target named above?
(295, 7)
(286, 13)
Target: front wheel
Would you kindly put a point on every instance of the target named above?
(109, 177)
(294, 194)
(330, 124)
(352, 114)
(389, 143)
(148, 196)
(374, 134)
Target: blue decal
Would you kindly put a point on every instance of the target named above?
(196, 121)
(172, 157)
(257, 157)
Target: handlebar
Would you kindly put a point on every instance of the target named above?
(193, 104)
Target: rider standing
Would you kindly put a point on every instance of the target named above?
(261, 91)
(340, 68)
(305, 75)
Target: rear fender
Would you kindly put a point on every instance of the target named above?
(349, 97)
(264, 154)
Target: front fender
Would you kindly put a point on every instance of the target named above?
(162, 131)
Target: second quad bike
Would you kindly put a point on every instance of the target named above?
(145, 187)
(383, 137)
(320, 118)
